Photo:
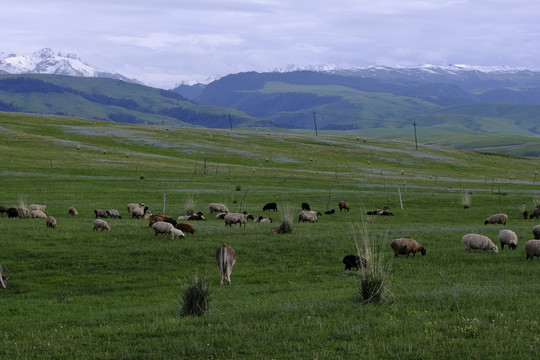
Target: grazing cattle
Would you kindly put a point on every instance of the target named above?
(356, 261)
(343, 205)
(305, 206)
(226, 258)
(270, 206)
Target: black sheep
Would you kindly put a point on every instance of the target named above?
(354, 261)
(12, 212)
(270, 206)
(305, 206)
(330, 212)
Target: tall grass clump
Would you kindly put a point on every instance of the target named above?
(374, 276)
(195, 298)
(466, 200)
(189, 206)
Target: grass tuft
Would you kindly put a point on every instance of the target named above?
(195, 298)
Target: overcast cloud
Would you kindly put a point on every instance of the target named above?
(164, 42)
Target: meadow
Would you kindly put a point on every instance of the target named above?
(83, 294)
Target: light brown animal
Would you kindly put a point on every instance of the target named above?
(226, 258)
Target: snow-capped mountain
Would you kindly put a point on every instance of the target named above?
(45, 61)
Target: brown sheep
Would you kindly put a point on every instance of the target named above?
(535, 213)
(72, 211)
(154, 218)
(403, 246)
(51, 222)
(186, 228)
(343, 205)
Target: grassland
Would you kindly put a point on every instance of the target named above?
(76, 293)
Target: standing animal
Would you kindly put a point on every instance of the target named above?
(525, 214)
(161, 217)
(508, 237)
(305, 206)
(270, 206)
(50, 221)
(162, 227)
(480, 242)
(113, 213)
(343, 205)
(101, 224)
(72, 211)
(101, 213)
(536, 232)
(404, 246)
(532, 249)
(535, 213)
(3, 278)
(237, 218)
(12, 212)
(187, 228)
(226, 258)
(497, 219)
(137, 210)
(356, 261)
(217, 207)
(309, 216)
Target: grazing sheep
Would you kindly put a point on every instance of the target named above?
(508, 237)
(536, 232)
(51, 222)
(176, 232)
(23, 213)
(12, 212)
(101, 224)
(113, 213)
(37, 214)
(147, 215)
(138, 212)
(330, 212)
(480, 242)
(356, 261)
(261, 219)
(3, 278)
(270, 206)
(237, 218)
(37, 207)
(72, 211)
(343, 205)
(535, 213)
(162, 227)
(525, 214)
(221, 215)
(404, 246)
(310, 216)
(226, 258)
(4, 209)
(497, 219)
(187, 228)
(305, 207)
(101, 213)
(217, 207)
(161, 217)
(132, 206)
(532, 248)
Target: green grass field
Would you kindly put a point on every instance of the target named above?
(77, 293)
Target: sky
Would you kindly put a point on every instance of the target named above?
(165, 42)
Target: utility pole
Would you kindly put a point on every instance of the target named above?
(230, 121)
(415, 140)
(315, 121)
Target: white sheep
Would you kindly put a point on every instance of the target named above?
(310, 216)
(101, 224)
(497, 219)
(24, 213)
(177, 232)
(37, 214)
(138, 211)
(162, 227)
(508, 237)
(476, 241)
(221, 215)
(536, 232)
(261, 219)
(37, 207)
(217, 207)
(532, 248)
(237, 218)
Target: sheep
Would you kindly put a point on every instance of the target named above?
(176, 232)
(535, 213)
(132, 206)
(138, 212)
(525, 214)
(72, 211)
(3, 278)
(497, 219)
(12, 212)
(37, 214)
(270, 206)
(508, 237)
(147, 215)
(404, 246)
(476, 241)
(113, 213)
(50, 221)
(381, 212)
(330, 212)
(101, 224)
(237, 218)
(4, 209)
(187, 228)
(305, 207)
(37, 207)
(162, 227)
(536, 232)
(23, 212)
(161, 217)
(356, 261)
(221, 215)
(196, 217)
(532, 248)
(217, 207)
(343, 205)
(310, 216)
(101, 213)
(261, 219)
